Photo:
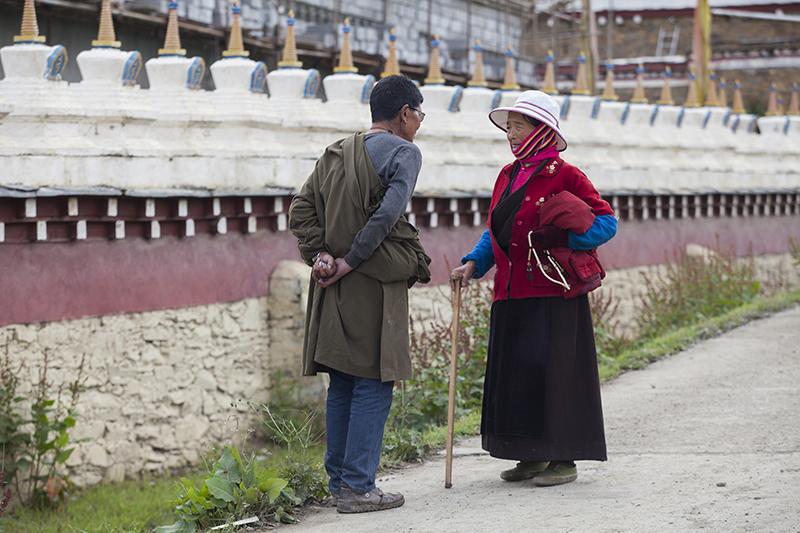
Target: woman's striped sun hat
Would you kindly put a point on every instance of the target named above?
(535, 104)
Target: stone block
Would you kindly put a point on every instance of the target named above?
(27, 334)
(205, 380)
(254, 316)
(191, 429)
(150, 354)
(114, 473)
(98, 456)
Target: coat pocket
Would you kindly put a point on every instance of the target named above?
(586, 267)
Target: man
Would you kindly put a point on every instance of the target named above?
(348, 219)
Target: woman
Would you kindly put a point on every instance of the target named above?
(541, 404)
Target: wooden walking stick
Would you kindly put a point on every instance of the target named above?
(455, 293)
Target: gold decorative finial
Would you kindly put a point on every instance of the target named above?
(711, 90)
(549, 85)
(722, 96)
(392, 67)
(666, 90)
(581, 80)
(346, 54)
(510, 78)
(773, 110)
(434, 68)
(235, 42)
(29, 29)
(106, 38)
(290, 48)
(478, 78)
(794, 104)
(608, 91)
(172, 41)
(691, 95)
(639, 96)
(738, 101)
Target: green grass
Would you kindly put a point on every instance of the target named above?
(670, 343)
(138, 506)
(131, 506)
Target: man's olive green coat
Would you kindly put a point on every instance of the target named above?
(359, 325)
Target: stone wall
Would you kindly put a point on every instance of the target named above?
(162, 387)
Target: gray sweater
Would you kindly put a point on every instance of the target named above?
(397, 162)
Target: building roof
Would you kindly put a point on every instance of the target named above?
(657, 5)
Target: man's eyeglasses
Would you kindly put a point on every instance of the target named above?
(420, 113)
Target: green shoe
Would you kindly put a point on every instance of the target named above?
(524, 470)
(557, 474)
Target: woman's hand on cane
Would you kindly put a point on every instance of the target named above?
(464, 272)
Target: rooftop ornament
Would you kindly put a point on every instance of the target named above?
(478, 78)
(290, 48)
(711, 91)
(346, 55)
(773, 108)
(106, 37)
(549, 85)
(29, 29)
(435, 76)
(722, 97)
(235, 42)
(666, 89)
(510, 78)
(392, 67)
(639, 96)
(608, 91)
(581, 80)
(738, 102)
(691, 95)
(794, 105)
(172, 40)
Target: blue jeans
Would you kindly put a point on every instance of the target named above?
(357, 409)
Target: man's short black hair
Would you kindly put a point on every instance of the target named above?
(389, 96)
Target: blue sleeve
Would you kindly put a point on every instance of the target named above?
(602, 230)
(482, 254)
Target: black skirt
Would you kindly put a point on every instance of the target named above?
(541, 398)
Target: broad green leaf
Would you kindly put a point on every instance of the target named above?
(272, 487)
(62, 440)
(252, 495)
(63, 455)
(220, 488)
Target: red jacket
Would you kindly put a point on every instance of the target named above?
(511, 278)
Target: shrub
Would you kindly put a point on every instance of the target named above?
(794, 250)
(34, 449)
(235, 488)
(609, 342)
(421, 402)
(301, 464)
(694, 288)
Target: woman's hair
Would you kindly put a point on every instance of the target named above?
(389, 96)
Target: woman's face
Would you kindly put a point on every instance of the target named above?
(519, 127)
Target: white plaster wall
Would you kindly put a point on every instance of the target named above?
(256, 143)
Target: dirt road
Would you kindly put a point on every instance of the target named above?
(708, 439)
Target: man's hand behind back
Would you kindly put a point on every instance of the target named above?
(341, 270)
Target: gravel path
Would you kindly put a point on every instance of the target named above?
(708, 439)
